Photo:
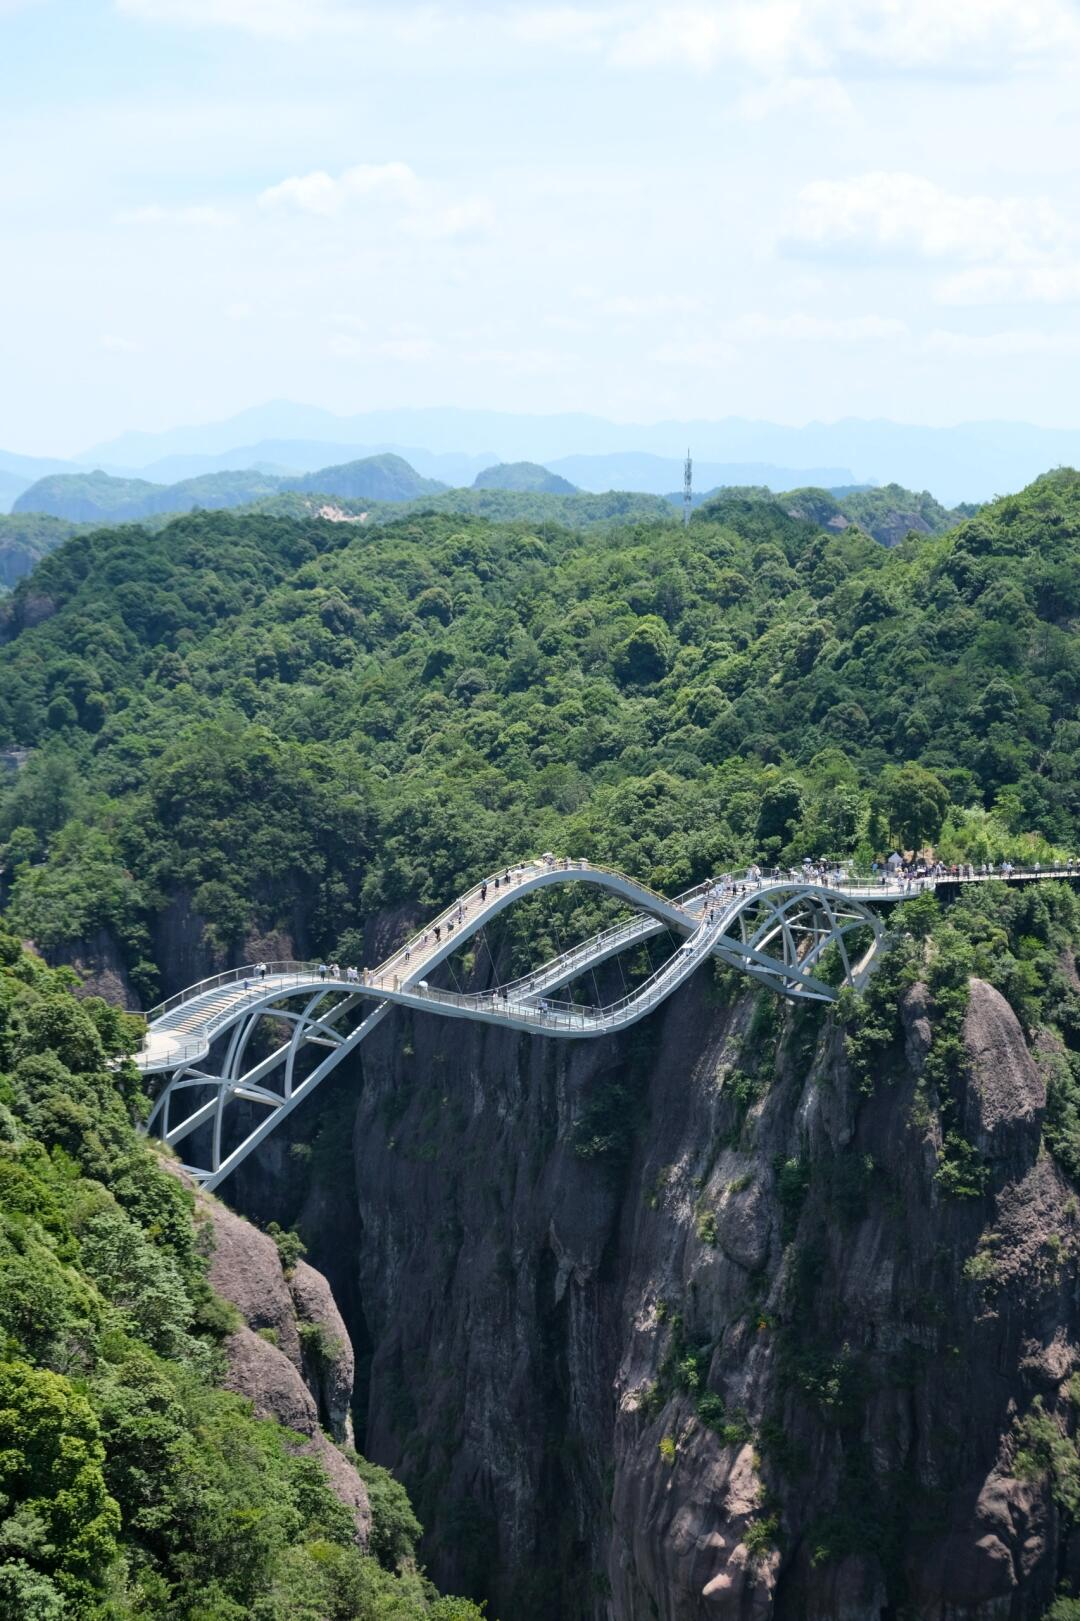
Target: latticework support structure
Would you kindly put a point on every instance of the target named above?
(240, 1052)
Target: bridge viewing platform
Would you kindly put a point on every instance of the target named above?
(775, 930)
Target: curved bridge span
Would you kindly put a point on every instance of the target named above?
(199, 1041)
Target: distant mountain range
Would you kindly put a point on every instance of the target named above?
(103, 498)
(970, 462)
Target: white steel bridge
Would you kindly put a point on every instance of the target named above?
(776, 931)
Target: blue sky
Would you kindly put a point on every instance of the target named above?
(792, 209)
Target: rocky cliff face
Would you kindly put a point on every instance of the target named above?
(291, 1356)
(687, 1325)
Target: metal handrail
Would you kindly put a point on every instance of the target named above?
(593, 946)
(519, 871)
(561, 1013)
(860, 886)
(227, 977)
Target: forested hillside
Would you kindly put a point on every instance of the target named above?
(131, 1484)
(887, 512)
(24, 540)
(522, 476)
(302, 723)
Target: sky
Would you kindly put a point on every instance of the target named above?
(787, 209)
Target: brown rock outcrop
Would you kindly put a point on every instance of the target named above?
(266, 1359)
(328, 1354)
(1006, 1095)
(258, 1370)
(245, 1267)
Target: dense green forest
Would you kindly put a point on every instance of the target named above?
(517, 491)
(888, 512)
(130, 1485)
(282, 722)
(305, 724)
(581, 510)
(25, 540)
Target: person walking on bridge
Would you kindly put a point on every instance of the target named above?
(322, 970)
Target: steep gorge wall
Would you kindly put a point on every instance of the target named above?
(683, 1325)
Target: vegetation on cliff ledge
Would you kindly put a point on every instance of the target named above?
(130, 1484)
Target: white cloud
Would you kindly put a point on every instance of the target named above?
(281, 19)
(902, 216)
(723, 343)
(823, 95)
(962, 38)
(767, 35)
(472, 217)
(573, 28)
(704, 354)
(418, 208)
(411, 350)
(1010, 344)
(645, 306)
(800, 328)
(1054, 283)
(780, 37)
(113, 344)
(321, 193)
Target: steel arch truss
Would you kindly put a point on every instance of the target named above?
(231, 1091)
(779, 935)
(198, 1098)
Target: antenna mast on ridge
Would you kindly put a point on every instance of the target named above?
(687, 488)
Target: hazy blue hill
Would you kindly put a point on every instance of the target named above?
(523, 476)
(971, 461)
(26, 537)
(97, 497)
(11, 487)
(658, 475)
(374, 478)
(292, 458)
(87, 497)
(212, 491)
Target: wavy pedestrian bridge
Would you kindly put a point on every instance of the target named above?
(222, 1094)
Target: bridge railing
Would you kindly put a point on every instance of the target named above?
(573, 1013)
(860, 885)
(229, 976)
(519, 872)
(600, 944)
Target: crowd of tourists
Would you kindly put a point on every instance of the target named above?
(914, 873)
(909, 873)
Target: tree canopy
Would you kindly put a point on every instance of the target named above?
(291, 723)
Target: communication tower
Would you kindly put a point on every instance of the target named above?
(687, 488)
